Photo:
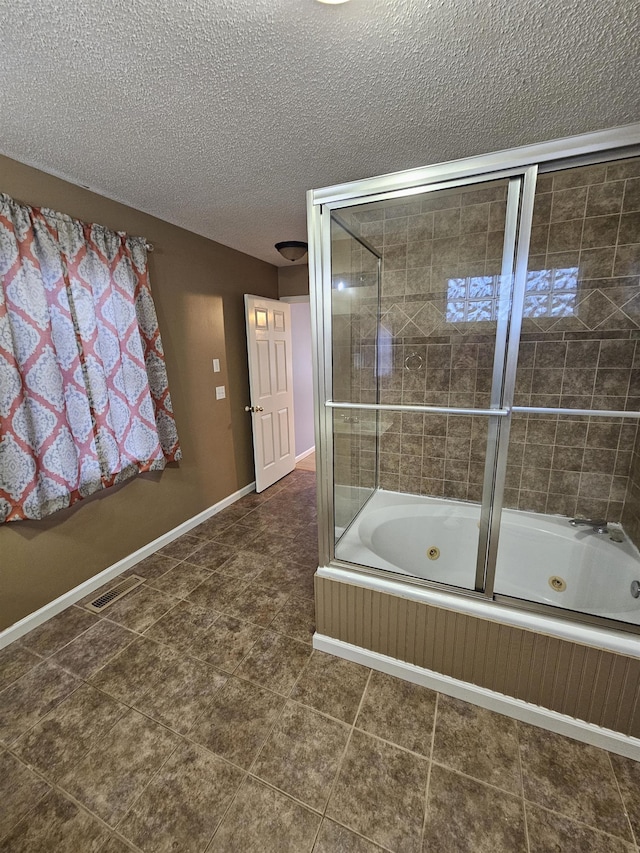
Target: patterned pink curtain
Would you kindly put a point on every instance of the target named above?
(84, 399)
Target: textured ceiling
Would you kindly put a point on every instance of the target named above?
(219, 115)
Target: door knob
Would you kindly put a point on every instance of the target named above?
(253, 409)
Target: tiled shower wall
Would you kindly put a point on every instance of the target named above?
(423, 356)
(586, 224)
(582, 322)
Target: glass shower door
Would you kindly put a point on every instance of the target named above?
(570, 529)
(354, 307)
(418, 360)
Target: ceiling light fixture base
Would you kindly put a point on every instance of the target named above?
(292, 250)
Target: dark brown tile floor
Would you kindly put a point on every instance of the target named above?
(194, 716)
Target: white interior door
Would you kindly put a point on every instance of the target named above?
(271, 388)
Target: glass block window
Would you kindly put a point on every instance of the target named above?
(549, 293)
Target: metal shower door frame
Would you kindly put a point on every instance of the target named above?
(320, 220)
(520, 164)
(334, 219)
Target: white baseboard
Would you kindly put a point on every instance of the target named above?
(306, 453)
(19, 629)
(499, 702)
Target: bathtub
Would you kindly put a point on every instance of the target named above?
(541, 558)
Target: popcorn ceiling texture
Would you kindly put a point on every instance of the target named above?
(219, 115)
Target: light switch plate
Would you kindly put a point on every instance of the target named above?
(220, 392)
(216, 365)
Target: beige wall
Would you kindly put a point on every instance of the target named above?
(293, 281)
(198, 288)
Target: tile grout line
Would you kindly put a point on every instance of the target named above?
(33, 807)
(426, 793)
(134, 638)
(12, 747)
(183, 738)
(173, 600)
(38, 660)
(289, 796)
(145, 787)
(132, 571)
(493, 787)
(247, 680)
(64, 646)
(190, 740)
(398, 746)
(190, 654)
(280, 715)
(341, 762)
(56, 785)
(376, 844)
(9, 745)
(129, 845)
(624, 803)
(114, 657)
(66, 795)
(522, 796)
(247, 772)
(160, 723)
(588, 826)
(152, 583)
(227, 810)
(262, 587)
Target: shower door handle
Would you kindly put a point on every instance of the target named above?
(253, 409)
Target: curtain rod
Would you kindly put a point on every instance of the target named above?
(50, 212)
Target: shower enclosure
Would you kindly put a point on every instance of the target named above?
(477, 335)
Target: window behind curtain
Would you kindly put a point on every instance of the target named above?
(84, 398)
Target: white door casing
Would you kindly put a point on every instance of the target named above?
(271, 388)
